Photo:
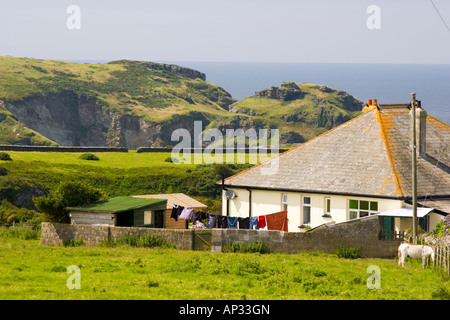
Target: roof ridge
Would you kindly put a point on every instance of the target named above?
(388, 151)
(300, 145)
(437, 120)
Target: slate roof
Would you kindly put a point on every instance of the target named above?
(369, 155)
(118, 204)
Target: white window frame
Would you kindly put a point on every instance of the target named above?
(327, 208)
(359, 210)
(303, 210)
(284, 202)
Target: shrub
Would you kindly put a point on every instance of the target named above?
(24, 233)
(73, 242)
(259, 247)
(3, 171)
(172, 160)
(348, 253)
(5, 156)
(11, 215)
(68, 194)
(144, 240)
(89, 156)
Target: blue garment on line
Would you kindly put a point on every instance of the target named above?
(211, 220)
(254, 223)
(232, 222)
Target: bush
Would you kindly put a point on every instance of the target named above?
(348, 253)
(145, 241)
(3, 171)
(24, 233)
(89, 156)
(5, 156)
(259, 247)
(73, 243)
(11, 215)
(172, 160)
(68, 194)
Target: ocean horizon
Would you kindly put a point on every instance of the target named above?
(388, 83)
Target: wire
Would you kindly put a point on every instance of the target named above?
(435, 8)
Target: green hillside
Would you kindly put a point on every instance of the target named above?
(139, 104)
(305, 109)
(129, 87)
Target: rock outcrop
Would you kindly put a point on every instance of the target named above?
(287, 92)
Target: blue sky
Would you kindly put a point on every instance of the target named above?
(411, 31)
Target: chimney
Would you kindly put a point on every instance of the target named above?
(421, 129)
(371, 104)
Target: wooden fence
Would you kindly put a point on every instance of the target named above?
(394, 235)
(441, 253)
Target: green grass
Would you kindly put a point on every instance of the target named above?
(31, 271)
(116, 173)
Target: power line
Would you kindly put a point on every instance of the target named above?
(435, 8)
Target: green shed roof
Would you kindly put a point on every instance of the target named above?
(119, 204)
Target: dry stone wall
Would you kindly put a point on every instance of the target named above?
(360, 233)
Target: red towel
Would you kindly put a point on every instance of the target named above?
(261, 222)
(277, 221)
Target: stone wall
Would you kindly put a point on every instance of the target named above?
(56, 233)
(359, 233)
(60, 149)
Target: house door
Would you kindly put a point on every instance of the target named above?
(388, 228)
(159, 219)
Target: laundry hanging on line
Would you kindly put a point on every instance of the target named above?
(277, 221)
(273, 221)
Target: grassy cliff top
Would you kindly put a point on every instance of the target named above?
(150, 90)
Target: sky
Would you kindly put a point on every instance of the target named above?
(324, 31)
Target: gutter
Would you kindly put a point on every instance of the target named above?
(332, 193)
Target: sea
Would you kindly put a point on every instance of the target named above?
(388, 83)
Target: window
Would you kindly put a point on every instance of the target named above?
(284, 202)
(327, 207)
(361, 208)
(306, 209)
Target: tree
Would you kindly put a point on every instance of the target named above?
(67, 194)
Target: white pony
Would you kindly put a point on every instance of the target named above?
(416, 252)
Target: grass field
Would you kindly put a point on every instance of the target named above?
(31, 271)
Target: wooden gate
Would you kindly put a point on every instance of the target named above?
(202, 239)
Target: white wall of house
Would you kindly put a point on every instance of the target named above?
(268, 201)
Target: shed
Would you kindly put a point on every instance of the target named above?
(120, 211)
(178, 199)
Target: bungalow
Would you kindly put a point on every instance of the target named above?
(358, 169)
(152, 210)
(120, 211)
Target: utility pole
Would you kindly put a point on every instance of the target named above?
(414, 167)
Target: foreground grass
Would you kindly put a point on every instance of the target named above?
(31, 271)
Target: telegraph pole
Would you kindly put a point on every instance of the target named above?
(414, 167)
